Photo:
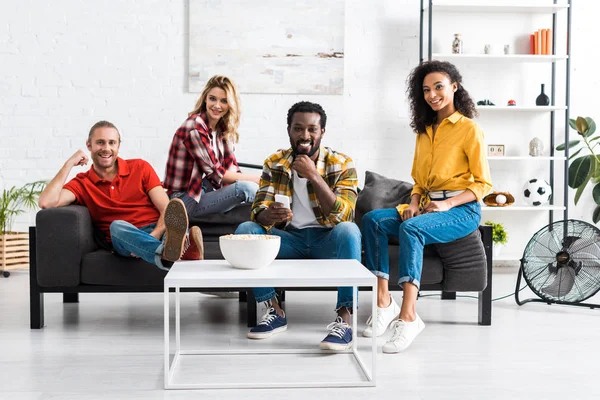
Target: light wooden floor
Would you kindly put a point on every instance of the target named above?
(110, 346)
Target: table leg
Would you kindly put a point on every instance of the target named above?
(354, 317)
(166, 336)
(374, 338)
(177, 321)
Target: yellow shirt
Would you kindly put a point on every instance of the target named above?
(454, 160)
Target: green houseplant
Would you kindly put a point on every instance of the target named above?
(14, 246)
(586, 167)
(499, 235)
(16, 200)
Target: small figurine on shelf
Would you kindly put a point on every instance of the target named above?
(536, 147)
(457, 44)
(507, 49)
(511, 102)
(487, 49)
(485, 102)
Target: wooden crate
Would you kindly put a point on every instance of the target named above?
(14, 251)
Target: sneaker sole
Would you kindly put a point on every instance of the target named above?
(264, 335)
(196, 236)
(176, 222)
(335, 346)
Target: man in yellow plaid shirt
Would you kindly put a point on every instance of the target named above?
(321, 186)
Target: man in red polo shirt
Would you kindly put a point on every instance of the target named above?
(125, 198)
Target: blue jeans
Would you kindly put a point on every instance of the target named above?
(413, 234)
(341, 242)
(127, 239)
(219, 200)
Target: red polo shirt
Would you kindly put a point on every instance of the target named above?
(125, 198)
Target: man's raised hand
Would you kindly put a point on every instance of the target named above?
(78, 159)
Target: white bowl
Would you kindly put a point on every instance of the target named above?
(249, 251)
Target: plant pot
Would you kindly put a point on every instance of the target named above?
(497, 249)
(14, 251)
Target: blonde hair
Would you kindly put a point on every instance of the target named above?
(231, 120)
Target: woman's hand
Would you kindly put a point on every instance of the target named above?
(411, 211)
(437, 206)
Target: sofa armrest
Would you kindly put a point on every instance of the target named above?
(63, 236)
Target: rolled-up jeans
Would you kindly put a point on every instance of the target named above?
(341, 242)
(413, 234)
(127, 239)
(219, 200)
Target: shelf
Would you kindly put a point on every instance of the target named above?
(517, 158)
(523, 208)
(499, 57)
(499, 8)
(521, 108)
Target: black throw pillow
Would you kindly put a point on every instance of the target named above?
(380, 192)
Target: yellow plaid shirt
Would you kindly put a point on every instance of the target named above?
(337, 170)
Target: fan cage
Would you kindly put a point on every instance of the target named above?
(561, 262)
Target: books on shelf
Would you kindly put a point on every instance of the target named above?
(541, 42)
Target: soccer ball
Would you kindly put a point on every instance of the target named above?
(537, 192)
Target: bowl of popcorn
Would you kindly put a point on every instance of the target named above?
(249, 251)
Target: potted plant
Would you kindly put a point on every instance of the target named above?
(14, 246)
(499, 236)
(585, 167)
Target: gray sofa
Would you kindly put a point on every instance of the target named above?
(64, 257)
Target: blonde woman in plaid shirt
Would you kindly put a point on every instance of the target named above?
(202, 169)
(321, 185)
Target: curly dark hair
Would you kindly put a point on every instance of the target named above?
(307, 107)
(422, 113)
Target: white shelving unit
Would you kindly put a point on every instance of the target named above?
(508, 58)
(494, 16)
(474, 7)
(522, 208)
(526, 158)
(537, 109)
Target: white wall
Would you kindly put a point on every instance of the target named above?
(66, 64)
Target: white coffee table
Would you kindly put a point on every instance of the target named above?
(282, 273)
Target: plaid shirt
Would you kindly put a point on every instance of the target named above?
(337, 170)
(191, 158)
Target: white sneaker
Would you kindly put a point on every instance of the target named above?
(403, 336)
(385, 316)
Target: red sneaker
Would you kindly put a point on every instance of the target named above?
(195, 250)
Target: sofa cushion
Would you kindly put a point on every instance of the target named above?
(380, 192)
(215, 225)
(102, 267)
(465, 263)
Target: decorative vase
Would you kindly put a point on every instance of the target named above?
(497, 249)
(542, 99)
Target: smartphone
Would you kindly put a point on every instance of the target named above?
(285, 200)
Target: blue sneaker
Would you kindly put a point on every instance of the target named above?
(339, 337)
(270, 324)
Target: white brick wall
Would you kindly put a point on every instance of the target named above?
(67, 64)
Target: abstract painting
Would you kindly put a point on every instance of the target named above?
(268, 46)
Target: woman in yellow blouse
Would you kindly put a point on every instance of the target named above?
(451, 175)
